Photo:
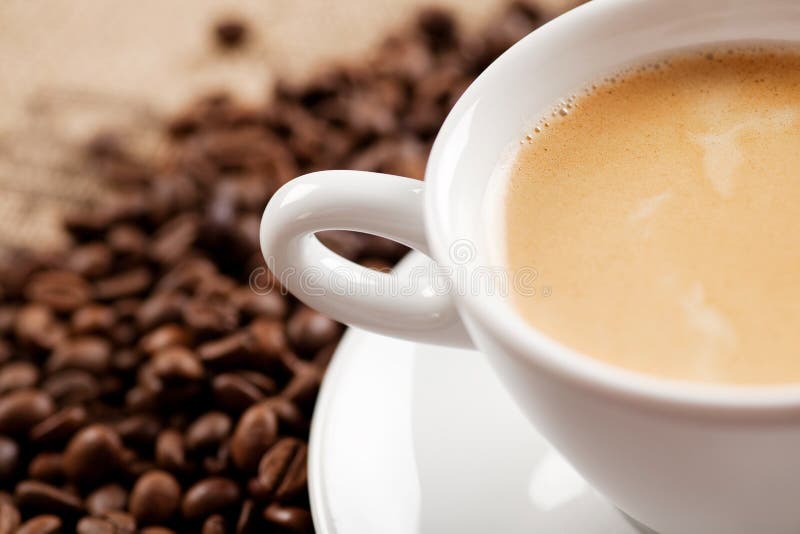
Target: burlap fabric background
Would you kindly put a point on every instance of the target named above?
(71, 68)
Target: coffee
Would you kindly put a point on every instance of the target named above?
(661, 207)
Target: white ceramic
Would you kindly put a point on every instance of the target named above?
(395, 449)
(682, 458)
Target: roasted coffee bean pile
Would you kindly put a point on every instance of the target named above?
(145, 386)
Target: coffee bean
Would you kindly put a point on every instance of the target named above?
(9, 456)
(47, 467)
(37, 327)
(34, 496)
(140, 398)
(249, 521)
(230, 33)
(256, 431)
(170, 451)
(87, 225)
(22, 409)
(182, 126)
(303, 387)
(138, 430)
(41, 524)
(323, 356)
(108, 498)
(9, 517)
(209, 496)
(265, 338)
(309, 330)
(176, 364)
(264, 383)
(367, 115)
(217, 287)
(235, 393)
(281, 472)
(155, 497)
(149, 383)
(380, 157)
(214, 525)
(71, 386)
(228, 351)
(209, 317)
(61, 291)
(290, 417)
(291, 518)
(60, 426)
(165, 336)
(126, 284)
(157, 530)
(18, 375)
(346, 244)
(122, 522)
(159, 309)
(91, 260)
(87, 353)
(219, 463)
(124, 206)
(94, 525)
(208, 431)
(127, 240)
(405, 59)
(174, 239)
(294, 122)
(438, 90)
(439, 28)
(93, 319)
(92, 455)
(239, 150)
(270, 305)
(185, 275)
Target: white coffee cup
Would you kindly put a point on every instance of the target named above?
(681, 458)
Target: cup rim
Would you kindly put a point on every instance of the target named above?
(518, 337)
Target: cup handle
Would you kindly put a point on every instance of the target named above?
(379, 204)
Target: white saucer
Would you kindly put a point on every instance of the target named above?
(411, 438)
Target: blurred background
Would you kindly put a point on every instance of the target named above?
(71, 69)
